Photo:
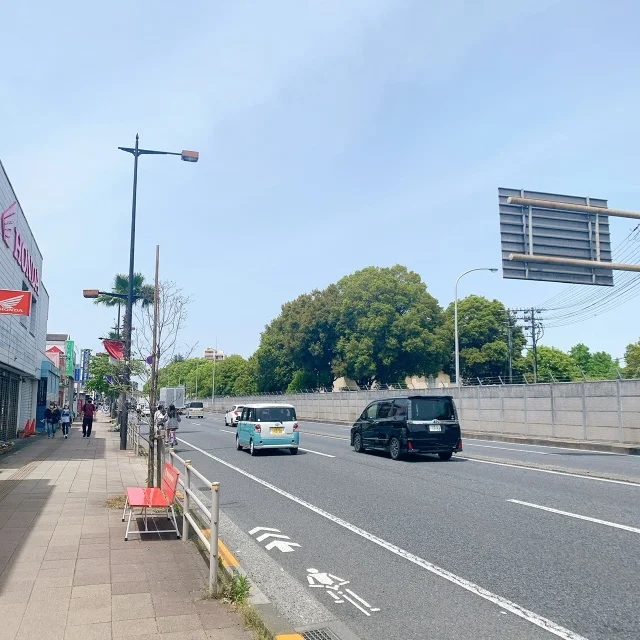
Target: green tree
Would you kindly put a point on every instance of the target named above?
(632, 360)
(483, 338)
(386, 324)
(552, 364)
(597, 366)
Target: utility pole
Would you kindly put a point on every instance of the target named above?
(534, 327)
(510, 344)
(213, 382)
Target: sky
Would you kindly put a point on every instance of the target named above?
(333, 135)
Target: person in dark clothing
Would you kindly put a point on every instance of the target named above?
(55, 419)
(47, 419)
(88, 413)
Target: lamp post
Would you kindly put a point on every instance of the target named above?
(455, 314)
(187, 156)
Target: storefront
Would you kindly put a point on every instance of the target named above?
(22, 337)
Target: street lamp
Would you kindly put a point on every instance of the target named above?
(187, 156)
(455, 312)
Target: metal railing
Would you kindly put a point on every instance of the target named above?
(212, 515)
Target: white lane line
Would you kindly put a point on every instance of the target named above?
(551, 446)
(488, 446)
(575, 515)
(227, 431)
(319, 435)
(326, 455)
(557, 473)
(501, 602)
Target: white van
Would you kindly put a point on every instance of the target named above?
(195, 410)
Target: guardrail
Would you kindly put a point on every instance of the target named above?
(212, 514)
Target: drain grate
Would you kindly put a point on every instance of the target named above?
(320, 634)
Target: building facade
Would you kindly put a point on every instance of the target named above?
(214, 354)
(62, 352)
(22, 338)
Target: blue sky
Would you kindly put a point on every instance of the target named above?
(334, 134)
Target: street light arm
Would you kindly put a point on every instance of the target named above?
(142, 152)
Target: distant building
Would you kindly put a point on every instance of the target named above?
(214, 354)
(62, 352)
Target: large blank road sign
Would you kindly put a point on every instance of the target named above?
(554, 232)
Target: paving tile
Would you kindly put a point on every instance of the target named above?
(220, 619)
(56, 554)
(9, 598)
(118, 578)
(134, 628)
(97, 591)
(165, 604)
(62, 593)
(92, 564)
(228, 634)
(58, 571)
(171, 624)
(83, 579)
(127, 608)
(98, 631)
(58, 564)
(198, 634)
(53, 581)
(123, 588)
(88, 611)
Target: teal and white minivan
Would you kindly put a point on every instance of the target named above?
(268, 426)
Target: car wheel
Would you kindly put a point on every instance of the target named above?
(394, 449)
(252, 450)
(294, 451)
(226, 424)
(445, 455)
(357, 443)
(238, 445)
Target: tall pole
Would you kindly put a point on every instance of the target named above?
(154, 373)
(510, 340)
(129, 311)
(213, 382)
(118, 327)
(455, 314)
(534, 342)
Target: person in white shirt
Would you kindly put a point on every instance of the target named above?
(160, 418)
(65, 419)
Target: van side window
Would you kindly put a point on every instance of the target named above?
(251, 414)
(384, 410)
(371, 412)
(243, 416)
(399, 409)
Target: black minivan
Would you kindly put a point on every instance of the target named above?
(409, 424)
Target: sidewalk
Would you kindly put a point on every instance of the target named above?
(68, 574)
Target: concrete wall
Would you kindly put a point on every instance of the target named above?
(593, 411)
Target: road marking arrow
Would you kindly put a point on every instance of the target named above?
(262, 529)
(284, 546)
(264, 536)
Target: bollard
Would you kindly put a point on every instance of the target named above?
(185, 510)
(213, 547)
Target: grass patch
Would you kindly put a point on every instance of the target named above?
(115, 502)
(253, 621)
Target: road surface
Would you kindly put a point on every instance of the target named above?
(470, 548)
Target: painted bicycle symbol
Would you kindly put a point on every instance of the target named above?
(333, 585)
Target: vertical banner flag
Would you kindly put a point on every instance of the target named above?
(85, 364)
(76, 375)
(69, 354)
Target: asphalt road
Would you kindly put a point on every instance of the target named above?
(430, 549)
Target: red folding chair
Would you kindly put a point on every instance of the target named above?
(154, 498)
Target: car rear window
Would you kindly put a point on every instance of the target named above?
(275, 414)
(196, 405)
(432, 409)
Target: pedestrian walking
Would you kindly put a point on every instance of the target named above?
(172, 424)
(47, 419)
(88, 413)
(55, 419)
(160, 419)
(65, 420)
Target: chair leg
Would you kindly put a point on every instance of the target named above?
(146, 528)
(175, 522)
(126, 535)
(124, 511)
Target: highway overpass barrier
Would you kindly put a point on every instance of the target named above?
(593, 412)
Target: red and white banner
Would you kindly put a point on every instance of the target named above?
(115, 348)
(16, 303)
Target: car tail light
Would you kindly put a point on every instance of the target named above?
(410, 445)
(235, 413)
(258, 428)
(295, 426)
(459, 445)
